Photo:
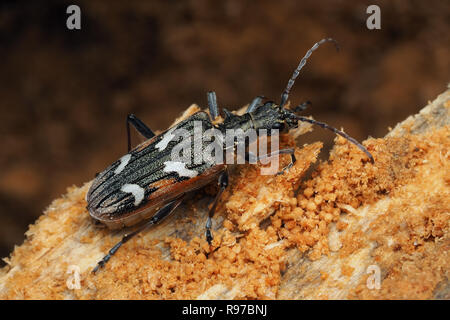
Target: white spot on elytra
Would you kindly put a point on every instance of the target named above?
(123, 163)
(165, 140)
(180, 168)
(137, 191)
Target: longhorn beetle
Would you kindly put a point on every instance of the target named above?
(145, 184)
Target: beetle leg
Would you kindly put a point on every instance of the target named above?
(212, 104)
(293, 160)
(159, 215)
(302, 106)
(140, 127)
(250, 157)
(254, 104)
(223, 183)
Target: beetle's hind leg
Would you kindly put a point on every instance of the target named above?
(159, 215)
(140, 127)
(223, 183)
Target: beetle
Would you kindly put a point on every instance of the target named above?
(147, 185)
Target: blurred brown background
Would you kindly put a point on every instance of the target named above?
(64, 95)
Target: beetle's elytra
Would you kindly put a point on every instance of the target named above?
(140, 182)
(147, 184)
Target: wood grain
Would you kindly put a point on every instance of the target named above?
(285, 237)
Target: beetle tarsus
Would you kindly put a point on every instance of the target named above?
(251, 158)
(209, 236)
(290, 165)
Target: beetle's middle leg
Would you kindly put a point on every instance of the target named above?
(250, 157)
(223, 183)
(140, 127)
(159, 215)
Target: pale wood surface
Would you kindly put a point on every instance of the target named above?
(65, 236)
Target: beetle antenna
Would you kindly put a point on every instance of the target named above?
(302, 63)
(339, 132)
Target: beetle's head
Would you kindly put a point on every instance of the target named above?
(271, 116)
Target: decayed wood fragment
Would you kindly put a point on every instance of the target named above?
(405, 233)
(275, 237)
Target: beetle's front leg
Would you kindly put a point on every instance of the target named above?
(256, 102)
(212, 104)
(250, 157)
(223, 183)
